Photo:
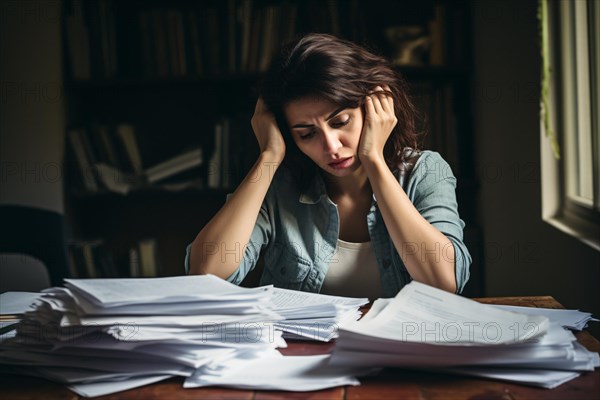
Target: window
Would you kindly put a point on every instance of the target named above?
(571, 51)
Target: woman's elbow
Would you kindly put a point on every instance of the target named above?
(450, 285)
(197, 266)
(204, 260)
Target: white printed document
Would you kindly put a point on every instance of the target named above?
(313, 316)
(424, 314)
(427, 328)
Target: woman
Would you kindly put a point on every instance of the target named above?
(339, 200)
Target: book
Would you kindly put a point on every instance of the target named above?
(232, 40)
(90, 259)
(148, 254)
(257, 21)
(106, 143)
(90, 266)
(268, 35)
(211, 34)
(117, 181)
(77, 269)
(182, 162)
(126, 133)
(214, 166)
(134, 263)
(78, 43)
(148, 58)
(436, 32)
(176, 42)
(85, 164)
(108, 38)
(226, 165)
(103, 260)
(195, 51)
(245, 15)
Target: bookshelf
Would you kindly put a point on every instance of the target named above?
(179, 76)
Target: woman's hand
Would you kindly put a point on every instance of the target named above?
(270, 139)
(379, 122)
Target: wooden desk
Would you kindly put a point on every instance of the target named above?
(391, 384)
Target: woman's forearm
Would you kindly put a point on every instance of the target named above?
(219, 246)
(426, 252)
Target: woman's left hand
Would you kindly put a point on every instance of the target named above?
(379, 122)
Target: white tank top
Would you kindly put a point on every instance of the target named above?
(353, 272)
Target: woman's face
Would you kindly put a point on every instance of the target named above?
(327, 134)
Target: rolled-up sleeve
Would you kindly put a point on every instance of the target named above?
(251, 251)
(432, 189)
(258, 240)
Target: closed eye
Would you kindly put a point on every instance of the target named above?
(339, 124)
(307, 134)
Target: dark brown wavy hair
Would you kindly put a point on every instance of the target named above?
(326, 67)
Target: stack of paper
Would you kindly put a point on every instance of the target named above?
(105, 335)
(312, 316)
(424, 327)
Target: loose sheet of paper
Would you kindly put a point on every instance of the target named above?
(14, 303)
(572, 319)
(104, 388)
(285, 298)
(115, 292)
(292, 373)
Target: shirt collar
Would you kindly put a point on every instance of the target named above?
(314, 192)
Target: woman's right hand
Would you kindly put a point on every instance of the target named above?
(270, 139)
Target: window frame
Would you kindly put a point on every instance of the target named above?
(560, 207)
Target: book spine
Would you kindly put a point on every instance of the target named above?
(246, 22)
(78, 42)
(160, 45)
(88, 256)
(226, 171)
(134, 263)
(195, 43)
(214, 167)
(80, 267)
(126, 133)
(174, 166)
(103, 263)
(211, 22)
(436, 31)
(149, 65)
(148, 258)
(73, 269)
(106, 143)
(180, 42)
(86, 169)
(231, 37)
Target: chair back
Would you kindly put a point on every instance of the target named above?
(22, 273)
(38, 233)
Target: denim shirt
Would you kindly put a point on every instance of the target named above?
(296, 232)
